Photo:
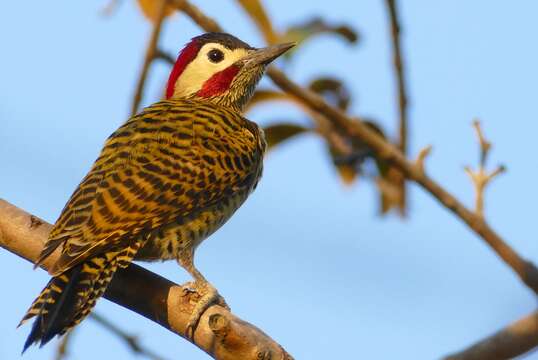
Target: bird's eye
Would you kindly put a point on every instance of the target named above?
(215, 56)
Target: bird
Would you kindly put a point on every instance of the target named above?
(165, 180)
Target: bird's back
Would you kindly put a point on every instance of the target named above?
(179, 162)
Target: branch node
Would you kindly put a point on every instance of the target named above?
(263, 355)
(35, 222)
(219, 324)
(421, 157)
(480, 178)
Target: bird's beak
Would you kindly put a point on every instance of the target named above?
(265, 55)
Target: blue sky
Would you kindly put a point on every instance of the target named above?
(305, 259)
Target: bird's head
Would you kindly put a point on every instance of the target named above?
(220, 68)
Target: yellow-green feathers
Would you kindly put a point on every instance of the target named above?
(164, 181)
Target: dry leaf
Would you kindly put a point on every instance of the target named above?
(348, 171)
(391, 191)
(150, 9)
(277, 133)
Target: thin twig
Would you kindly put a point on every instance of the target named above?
(205, 22)
(131, 340)
(526, 270)
(151, 296)
(481, 178)
(514, 340)
(400, 73)
(402, 95)
(151, 52)
(421, 157)
(61, 350)
(485, 146)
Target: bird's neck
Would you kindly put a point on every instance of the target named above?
(223, 101)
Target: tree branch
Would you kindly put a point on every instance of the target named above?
(400, 73)
(514, 340)
(399, 178)
(151, 54)
(220, 333)
(131, 340)
(526, 270)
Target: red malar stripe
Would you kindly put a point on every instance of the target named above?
(219, 83)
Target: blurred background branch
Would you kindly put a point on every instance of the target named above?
(399, 70)
(131, 341)
(514, 340)
(151, 53)
(61, 349)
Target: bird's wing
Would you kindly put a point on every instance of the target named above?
(173, 159)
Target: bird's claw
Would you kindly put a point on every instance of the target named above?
(189, 288)
(208, 296)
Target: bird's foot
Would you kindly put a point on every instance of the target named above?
(208, 296)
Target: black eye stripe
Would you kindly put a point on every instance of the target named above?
(215, 55)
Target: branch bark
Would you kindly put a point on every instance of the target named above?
(526, 270)
(514, 340)
(220, 333)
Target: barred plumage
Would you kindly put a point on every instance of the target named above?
(164, 181)
(69, 297)
(172, 161)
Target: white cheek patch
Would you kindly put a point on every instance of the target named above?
(201, 69)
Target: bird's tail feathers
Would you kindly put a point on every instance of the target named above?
(69, 297)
